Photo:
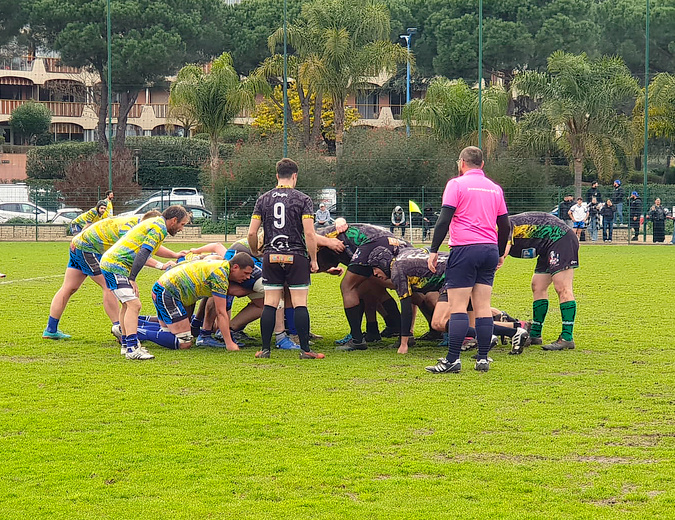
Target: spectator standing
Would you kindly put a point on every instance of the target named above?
(578, 215)
(323, 216)
(618, 197)
(593, 191)
(657, 214)
(635, 211)
(593, 221)
(478, 237)
(608, 214)
(427, 221)
(564, 209)
(669, 217)
(398, 220)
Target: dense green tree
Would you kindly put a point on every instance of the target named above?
(580, 101)
(351, 45)
(30, 120)
(151, 39)
(661, 110)
(250, 24)
(450, 109)
(214, 98)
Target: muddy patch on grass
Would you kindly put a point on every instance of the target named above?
(600, 459)
(21, 359)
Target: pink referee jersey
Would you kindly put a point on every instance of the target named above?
(478, 202)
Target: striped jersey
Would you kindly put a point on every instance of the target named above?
(190, 281)
(149, 234)
(100, 236)
(87, 217)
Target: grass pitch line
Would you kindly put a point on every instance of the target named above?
(32, 279)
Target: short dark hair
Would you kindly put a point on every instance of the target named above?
(177, 212)
(108, 192)
(579, 198)
(472, 155)
(286, 168)
(151, 214)
(242, 259)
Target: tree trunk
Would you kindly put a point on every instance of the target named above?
(315, 135)
(127, 100)
(339, 121)
(578, 169)
(304, 106)
(102, 115)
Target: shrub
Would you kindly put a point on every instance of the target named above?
(50, 162)
(30, 120)
(21, 221)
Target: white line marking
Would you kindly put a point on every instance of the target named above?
(32, 279)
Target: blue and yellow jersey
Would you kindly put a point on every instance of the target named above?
(149, 234)
(100, 236)
(190, 281)
(85, 218)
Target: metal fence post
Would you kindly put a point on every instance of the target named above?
(35, 201)
(356, 203)
(225, 209)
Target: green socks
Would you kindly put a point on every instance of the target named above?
(539, 310)
(568, 311)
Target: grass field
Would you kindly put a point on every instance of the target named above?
(588, 433)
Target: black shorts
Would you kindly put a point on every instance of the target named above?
(472, 264)
(561, 255)
(280, 269)
(443, 298)
(359, 262)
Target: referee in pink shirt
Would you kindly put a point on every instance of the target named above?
(475, 212)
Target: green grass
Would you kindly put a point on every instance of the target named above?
(588, 433)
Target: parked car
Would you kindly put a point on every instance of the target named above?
(189, 196)
(198, 212)
(9, 210)
(65, 215)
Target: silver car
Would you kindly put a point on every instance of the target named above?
(9, 210)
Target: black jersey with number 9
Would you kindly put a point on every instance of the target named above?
(281, 211)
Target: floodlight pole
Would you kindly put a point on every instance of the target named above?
(407, 37)
(109, 80)
(285, 87)
(646, 145)
(480, 74)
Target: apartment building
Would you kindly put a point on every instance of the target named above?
(71, 96)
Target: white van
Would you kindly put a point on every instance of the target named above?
(161, 200)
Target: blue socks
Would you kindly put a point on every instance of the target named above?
(162, 338)
(132, 342)
(52, 324)
(484, 327)
(458, 325)
(289, 316)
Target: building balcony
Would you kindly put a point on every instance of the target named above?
(57, 108)
(22, 63)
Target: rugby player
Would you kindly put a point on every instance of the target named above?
(478, 236)
(289, 253)
(556, 247)
(87, 218)
(359, 241)
(181, 287)
(86, 249)
(124, 260)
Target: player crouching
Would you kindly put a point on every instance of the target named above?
(181, 287)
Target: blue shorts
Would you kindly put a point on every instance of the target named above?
(75, 229)
(88, 263)
(472, 264)
(579, 225)
(169, 309)
(255, 274)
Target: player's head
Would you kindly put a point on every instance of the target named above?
(579, 201)
(469, 159)
(594, 184)
(241, 267)
(109, 195)
(176, 217)
(101, 205)
(380, 260)
(287, 171)
(341, 225)
(151, 214)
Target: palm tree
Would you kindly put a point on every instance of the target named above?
(579, 111)
(661, 109)
(214, 98)
(450, 109)
(348, 42)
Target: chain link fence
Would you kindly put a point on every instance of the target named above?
(32, 213)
